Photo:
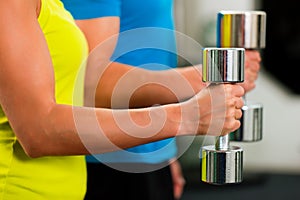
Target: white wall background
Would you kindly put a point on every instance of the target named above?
(279, 151)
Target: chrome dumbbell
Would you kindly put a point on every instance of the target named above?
(222, 163)
(244, 29)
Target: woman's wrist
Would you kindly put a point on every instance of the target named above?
(182, 119)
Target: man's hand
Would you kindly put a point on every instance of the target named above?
(252, 67)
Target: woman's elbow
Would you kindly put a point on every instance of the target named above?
(33, 143)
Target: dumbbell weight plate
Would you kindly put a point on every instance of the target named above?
(251, 124)
(223, 65)
(244, 29)
(221, 167)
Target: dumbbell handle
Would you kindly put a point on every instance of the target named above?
(244, 99)
(222, 142)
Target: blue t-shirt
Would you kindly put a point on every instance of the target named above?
(146, 40)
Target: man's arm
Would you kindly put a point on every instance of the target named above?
(118, 80)
(119, 86)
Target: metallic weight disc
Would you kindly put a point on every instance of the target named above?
(251, 124)
(223, 65)
(221, 167)
(246, 29)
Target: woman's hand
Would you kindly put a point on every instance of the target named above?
(215, 110)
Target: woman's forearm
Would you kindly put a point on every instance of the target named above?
(67, 130)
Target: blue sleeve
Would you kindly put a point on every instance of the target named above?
(89, 9)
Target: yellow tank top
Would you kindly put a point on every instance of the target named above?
(49, 178)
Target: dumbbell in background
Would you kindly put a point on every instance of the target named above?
(244, 29)
(222, 163)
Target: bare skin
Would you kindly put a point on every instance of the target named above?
(51, 129)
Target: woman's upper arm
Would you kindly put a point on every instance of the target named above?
(26, 73)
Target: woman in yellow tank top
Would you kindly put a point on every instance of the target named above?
(44, 129)
(51, 177)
